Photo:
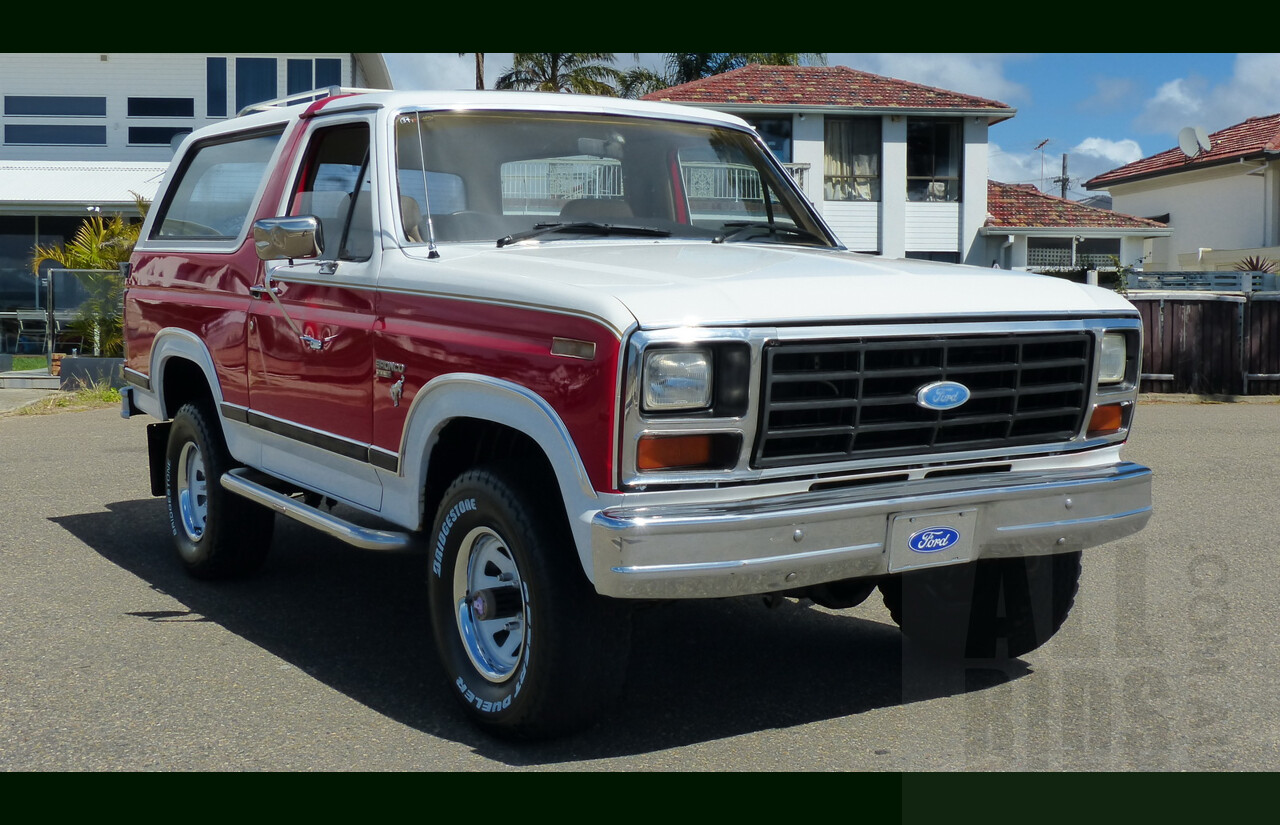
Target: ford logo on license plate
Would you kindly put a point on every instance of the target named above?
(933, 539)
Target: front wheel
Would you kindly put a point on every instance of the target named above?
(217, 534)
(989, 609)
(529, 648)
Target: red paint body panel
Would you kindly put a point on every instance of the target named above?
(329, 389)
(206, 294)
(435, 336)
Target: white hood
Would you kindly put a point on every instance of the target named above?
(667, 283)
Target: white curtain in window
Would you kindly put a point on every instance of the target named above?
(852, 159)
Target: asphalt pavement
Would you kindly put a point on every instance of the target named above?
(113, 660)
(12, 400)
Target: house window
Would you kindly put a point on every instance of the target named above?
(304, 75)
(44, 135)
(851, 168)
(156, 135)
(1069, 253)
(933, 160)
(215, 87)
(776, 134)
(162, 107)
(54, 106)
(328, 72)
(948, 257)
(255, 80)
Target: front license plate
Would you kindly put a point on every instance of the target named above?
(931, 539)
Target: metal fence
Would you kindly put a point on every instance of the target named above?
(69, 310)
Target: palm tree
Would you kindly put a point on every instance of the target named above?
(685, 67)
(94, 254)
(479, 67)
(578, 72)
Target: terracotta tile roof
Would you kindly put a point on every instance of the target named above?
(1023, 206)
(822, 86)
(1253, 138)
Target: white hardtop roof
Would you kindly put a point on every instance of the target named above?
(466, 100)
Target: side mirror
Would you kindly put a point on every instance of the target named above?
(296, 236)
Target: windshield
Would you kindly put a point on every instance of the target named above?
(513, 177)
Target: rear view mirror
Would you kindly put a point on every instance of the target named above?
(296, 236)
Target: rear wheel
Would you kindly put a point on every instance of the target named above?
(217, 534)
(504, 567)
(990, 609)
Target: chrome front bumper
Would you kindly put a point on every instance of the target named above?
(787, 542)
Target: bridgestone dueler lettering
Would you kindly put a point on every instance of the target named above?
(562, 659)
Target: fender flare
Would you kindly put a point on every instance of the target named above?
(173, 342)
(450, 397)
(484, 398)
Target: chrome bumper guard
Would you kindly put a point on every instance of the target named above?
(788, 542)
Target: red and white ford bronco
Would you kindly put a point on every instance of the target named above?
(584, 352)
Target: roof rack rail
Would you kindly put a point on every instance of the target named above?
(303, 97)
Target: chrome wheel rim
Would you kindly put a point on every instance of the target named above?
(193, 491)
(490, 605)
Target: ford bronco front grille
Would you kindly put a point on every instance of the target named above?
(831, 401)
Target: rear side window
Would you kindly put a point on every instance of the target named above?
(215, 190)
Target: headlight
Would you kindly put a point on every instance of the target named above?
(676, 379)
(1114, 360)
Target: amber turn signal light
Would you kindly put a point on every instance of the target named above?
(685, 452)
(1107, 419)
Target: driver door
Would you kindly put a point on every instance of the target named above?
(310, 360)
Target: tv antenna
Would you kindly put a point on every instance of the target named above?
(1040, 148)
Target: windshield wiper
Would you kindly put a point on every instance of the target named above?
(748, 229)
(586, 227)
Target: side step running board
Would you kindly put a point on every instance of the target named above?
(366, 538)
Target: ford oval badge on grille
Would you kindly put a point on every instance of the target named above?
(942, 395)
(933, 539)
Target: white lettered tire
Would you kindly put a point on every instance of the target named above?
(529, 648)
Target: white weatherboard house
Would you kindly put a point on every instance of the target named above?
(82, 132)
(896, 168)
(1219, 193)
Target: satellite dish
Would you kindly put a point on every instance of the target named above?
(1187, 142)
(1202, 138)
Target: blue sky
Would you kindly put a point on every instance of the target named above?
(1101, 110)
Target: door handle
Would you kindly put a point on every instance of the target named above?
(273, 292)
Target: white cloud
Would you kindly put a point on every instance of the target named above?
(1015, 167)
(1253, 90)
(1088, 159)
(1116, 152)
(975, 74)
